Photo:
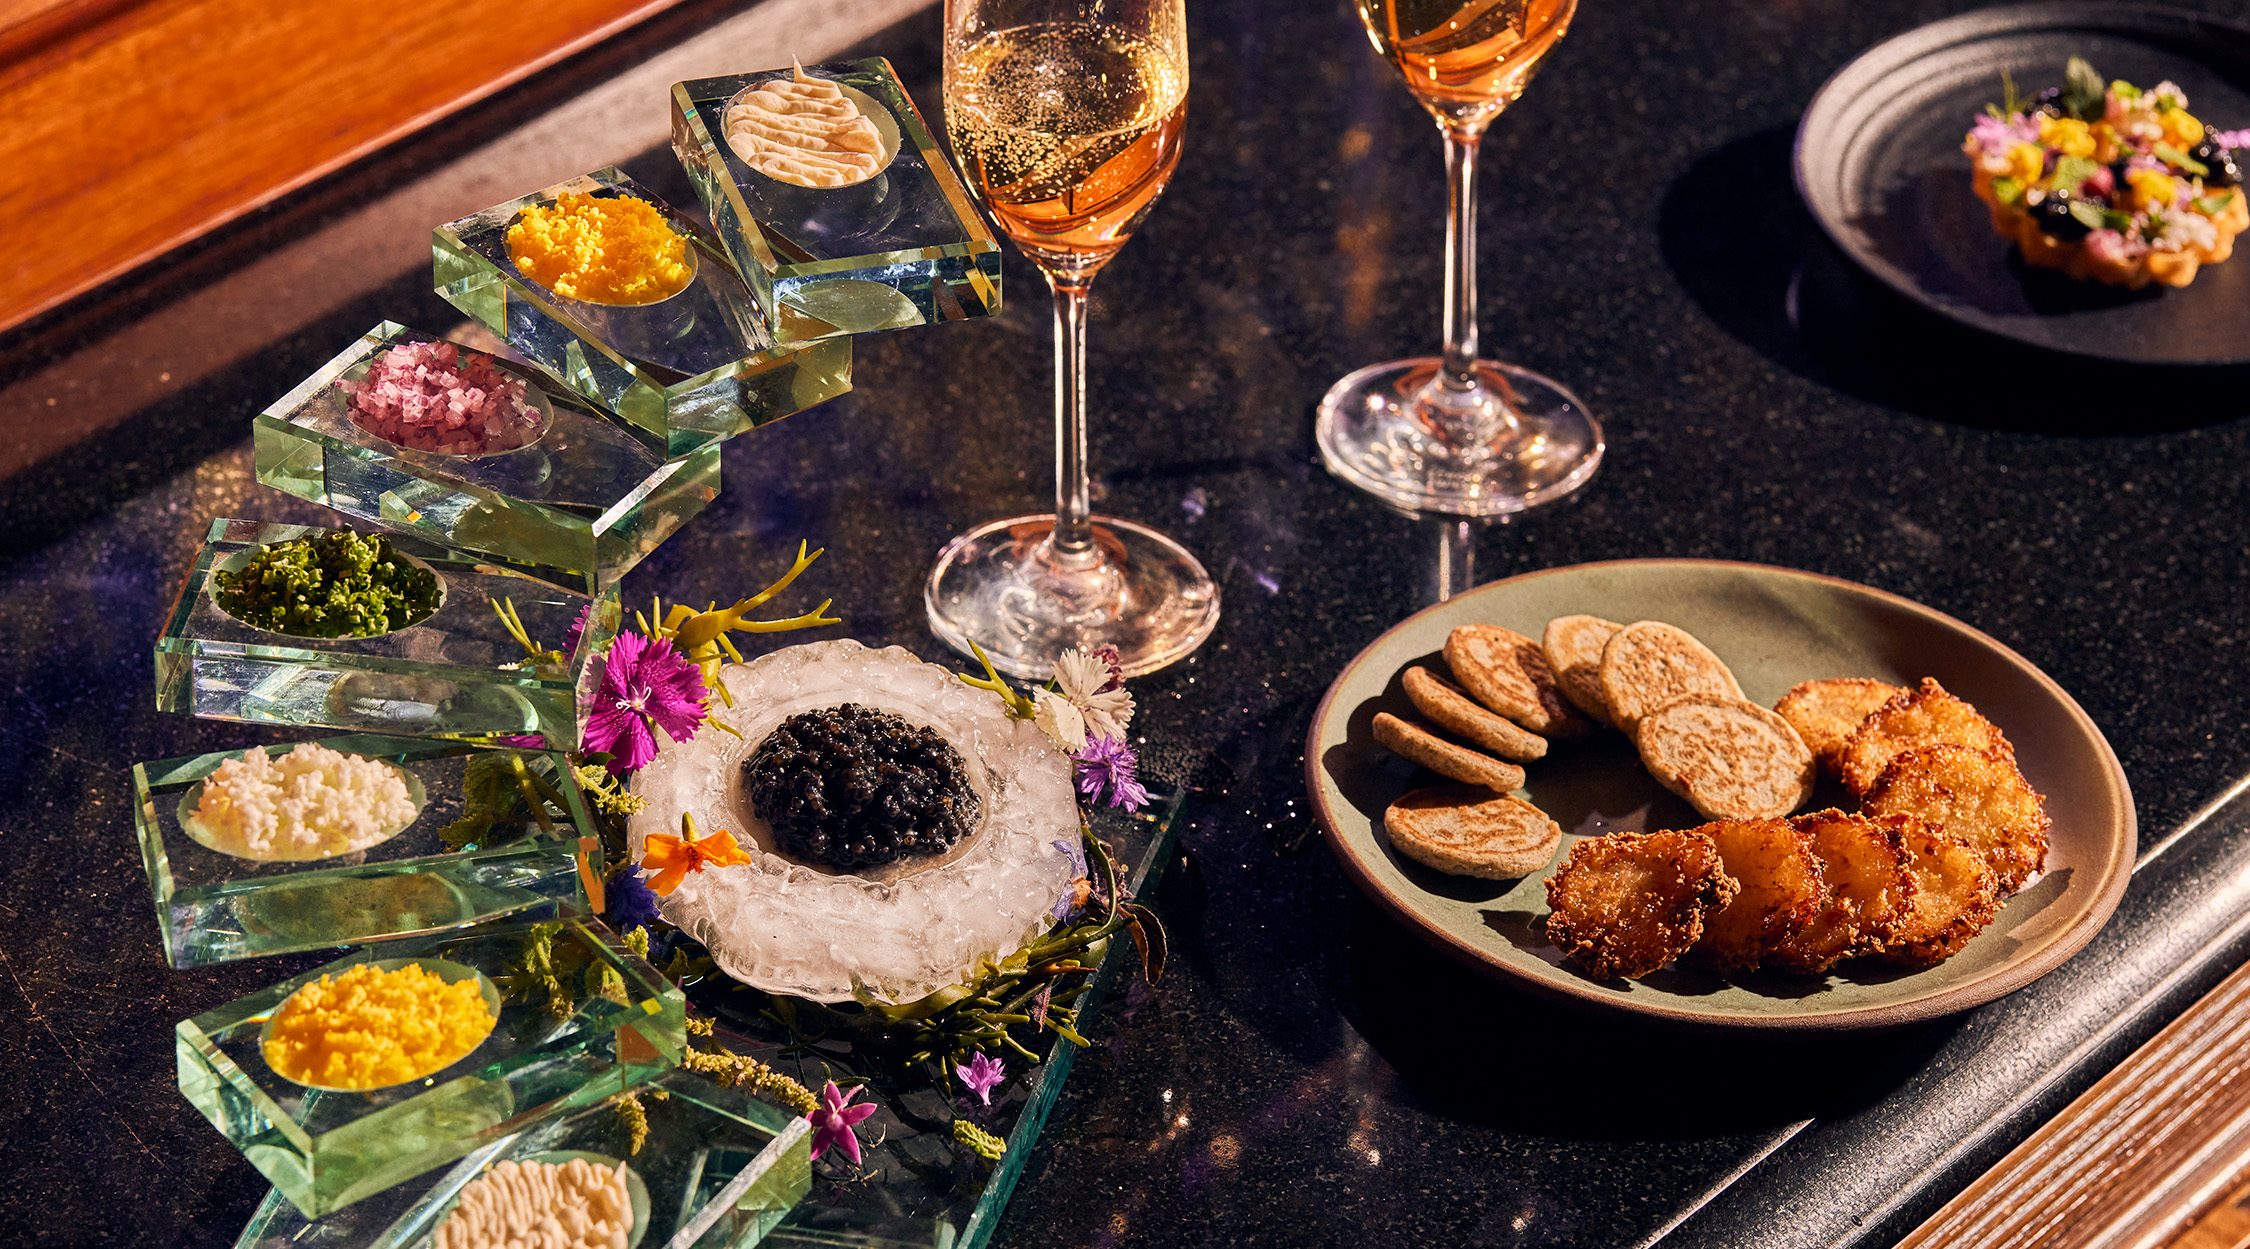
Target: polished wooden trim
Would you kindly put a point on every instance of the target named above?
(2153, 1155)
(135, 126)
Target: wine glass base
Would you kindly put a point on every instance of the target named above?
(1000, 586)
(1536, 443)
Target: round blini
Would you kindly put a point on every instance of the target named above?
(1827, 713)
(1649, 664)
(1573, 647)
(1977, 796)
(1730, 758)
(1416, 744)
(1455, 712)
(1508, 673)
(1923, 717)
(1628, 903)
(1465, 830)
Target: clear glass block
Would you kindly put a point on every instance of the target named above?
(901, 248)
(719, 1168)
(905, 247)
(325, 1149)
(441, 677)
(580, 506)
(684, 372)
(213, 906)
(922, 1189)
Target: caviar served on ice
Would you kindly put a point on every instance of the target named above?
(850, 786)
(2113, 183)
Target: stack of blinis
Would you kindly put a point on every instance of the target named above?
(1947, 825)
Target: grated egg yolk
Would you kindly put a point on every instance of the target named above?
(603, 250)
(368, 1028)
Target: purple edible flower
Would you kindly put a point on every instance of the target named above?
(1995, 135)
(833, 1122)
(2233, 139)
(577, 630)
(1106, 655)
(632, 904)
(981, 1074)
(645, 686)
(1109, 763)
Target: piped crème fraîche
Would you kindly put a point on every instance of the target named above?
(804, 131)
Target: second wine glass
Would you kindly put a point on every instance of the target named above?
(1453, 433)
(1067, 118)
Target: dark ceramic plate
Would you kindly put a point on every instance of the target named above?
(1775, 627)
(1879, 163)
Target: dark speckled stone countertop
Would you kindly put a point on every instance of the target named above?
(1309, 1073)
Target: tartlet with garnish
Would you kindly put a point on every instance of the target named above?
(2110, 183)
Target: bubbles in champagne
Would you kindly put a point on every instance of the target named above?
(1037, 111)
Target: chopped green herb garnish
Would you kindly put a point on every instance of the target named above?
(331, 585)
(2070, 171)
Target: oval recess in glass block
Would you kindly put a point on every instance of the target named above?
(745, 134)
(234, 565)
(446, 970)
(226, 840)
(893, 933)
(417, 377)
(511, 1232)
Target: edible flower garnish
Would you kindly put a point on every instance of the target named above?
(672, 858)
(632, 904)
(645, 686)
(1109, 763)
(834, 1121)
(981, 1074)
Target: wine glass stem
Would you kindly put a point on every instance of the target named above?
(1461, 257)
(1074, 524)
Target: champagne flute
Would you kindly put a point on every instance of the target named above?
(1067, 118)
(1455, 434)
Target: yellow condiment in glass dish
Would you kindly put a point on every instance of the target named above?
(376, 1026)
(601, 249)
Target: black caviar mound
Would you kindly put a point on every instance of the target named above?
(850, 786)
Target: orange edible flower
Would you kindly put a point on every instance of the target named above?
(672, 858)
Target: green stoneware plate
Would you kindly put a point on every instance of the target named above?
(1774, 627)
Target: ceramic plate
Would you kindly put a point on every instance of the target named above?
(1879, 163)
(1775, 627)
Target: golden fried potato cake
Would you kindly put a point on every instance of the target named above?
(1978, 796)
(1956, 895)
(1648, 664)
(1924, 717)
(1827, 713)
(1417, 744)
(1467, 830)
(1730, 758)
(1455, 712)
(1780, 889)
(1507, 672)
(1573, 647)
(1863, 863)
(1628, 903)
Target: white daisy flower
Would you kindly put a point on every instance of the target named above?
(1060, 719)
(1077, 676)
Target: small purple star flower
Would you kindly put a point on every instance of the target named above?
(632, 904)
(981, 1074)
(834, 1121)
(645, 686)
(1109, 763)
(577, 630)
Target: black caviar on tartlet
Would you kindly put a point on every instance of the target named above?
(850, 786)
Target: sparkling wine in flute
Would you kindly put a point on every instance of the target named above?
(1069, 131)
(1466, 61)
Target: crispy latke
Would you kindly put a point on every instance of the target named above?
(1869, 891)
(1978, 796)
(1956, 894)
(1827, 713)
(1924, 717)
(1628, 903)
(1780, 889)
